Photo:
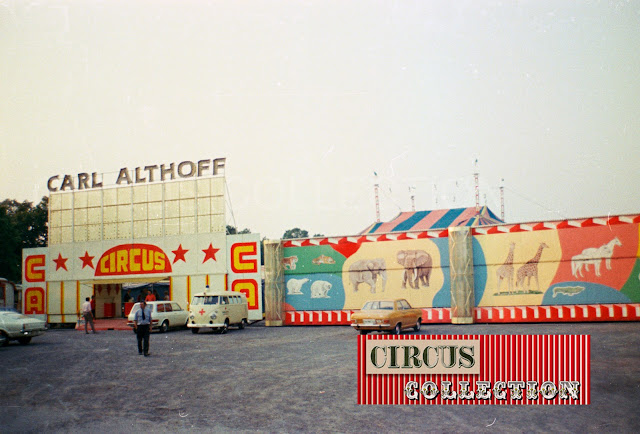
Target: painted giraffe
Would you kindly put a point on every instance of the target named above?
(505, 271)
(530, 269)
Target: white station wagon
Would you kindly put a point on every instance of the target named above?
(164, 314)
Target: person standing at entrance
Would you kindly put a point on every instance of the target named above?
(93, 305)
(88, 316)
(142, 323)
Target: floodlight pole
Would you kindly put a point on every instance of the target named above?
(477, 186)
(375, 188)
(502, 199)
(413, 198)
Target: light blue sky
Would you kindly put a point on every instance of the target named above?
(306, 99)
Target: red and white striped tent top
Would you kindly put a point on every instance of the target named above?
(438, 219)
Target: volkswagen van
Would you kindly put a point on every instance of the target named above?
(218, 310)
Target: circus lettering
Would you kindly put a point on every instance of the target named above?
(133, 259)
(239, 261)
(249, 288)
(34, 268)
(34, 300)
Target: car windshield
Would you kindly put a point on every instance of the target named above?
(378, 305)
(205, 299)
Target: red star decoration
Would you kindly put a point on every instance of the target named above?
(61, 262)
(210, 253)
(179, 252)
(86, 260)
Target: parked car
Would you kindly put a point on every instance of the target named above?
(386, 315)
(218, 310)
(18, 327)
(164, 315)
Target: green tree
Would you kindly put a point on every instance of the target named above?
(295, 233)
(232, 230)
(10, 246)
(22, 226)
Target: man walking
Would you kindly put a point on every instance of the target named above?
(93, 305)
(142, 323)
(88, 316)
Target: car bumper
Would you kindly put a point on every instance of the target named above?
(207, 325)
(26, 334)
(372, 327)
(153, 326)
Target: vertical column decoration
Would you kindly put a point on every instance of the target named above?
(273, 283)
(461, 260)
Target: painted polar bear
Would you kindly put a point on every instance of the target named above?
(320, 288)
(294, 286)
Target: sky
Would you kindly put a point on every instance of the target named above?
(307, 99)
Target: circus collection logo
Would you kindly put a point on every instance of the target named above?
(488, 369)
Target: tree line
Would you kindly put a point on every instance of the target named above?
(22, 225)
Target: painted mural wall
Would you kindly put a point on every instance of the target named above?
(590, 265)
(583, 265)
(346, 275)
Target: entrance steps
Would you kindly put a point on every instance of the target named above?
(105, 324)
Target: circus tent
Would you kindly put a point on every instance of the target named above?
(437, 219)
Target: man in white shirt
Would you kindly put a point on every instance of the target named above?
(142, 324)
(88, 316)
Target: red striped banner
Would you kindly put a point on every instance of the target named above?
(514, 370)
(488, 314)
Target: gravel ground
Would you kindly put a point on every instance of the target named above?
(286, 379)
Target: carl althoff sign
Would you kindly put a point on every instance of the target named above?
(474, 369)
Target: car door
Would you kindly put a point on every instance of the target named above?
(232, 310)
(405, 311)
(180, 314)
(159, 313)
(168, 312)
(224, 308)
(238, 309)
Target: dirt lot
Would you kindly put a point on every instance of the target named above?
(287, 379)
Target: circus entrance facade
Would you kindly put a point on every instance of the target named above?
(170, 233)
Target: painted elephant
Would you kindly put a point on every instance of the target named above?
(367, 271)
(417, 267)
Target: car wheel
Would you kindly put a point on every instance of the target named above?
(164, 327)
(24, 341)
(225, 327)
(195, 330)
(418, 325)
(243, 323)
(397, 329)
(364, 332)
(4, 342)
